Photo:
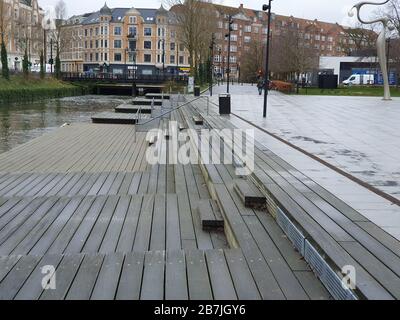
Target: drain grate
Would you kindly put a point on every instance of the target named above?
(328, 277)
(291, 231)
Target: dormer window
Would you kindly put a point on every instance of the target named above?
(132, 20)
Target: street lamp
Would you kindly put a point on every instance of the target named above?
(163, 55)
(228, 71)
(211, 62)
(267, 7)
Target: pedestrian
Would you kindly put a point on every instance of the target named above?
(260, 86)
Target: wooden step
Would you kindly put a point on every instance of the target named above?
(210, 216)
(146, 102)
(129, 108)
(198, 121)
(158, 96)
(250, 195)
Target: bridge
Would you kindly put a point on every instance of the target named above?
(124, 78)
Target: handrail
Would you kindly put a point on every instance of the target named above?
(170, 111)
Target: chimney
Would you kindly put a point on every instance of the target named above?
(241, 6)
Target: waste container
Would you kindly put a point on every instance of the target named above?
(197, 91)
(225, 103)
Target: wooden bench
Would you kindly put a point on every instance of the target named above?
(249, 194)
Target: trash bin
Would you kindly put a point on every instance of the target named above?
(225, 104)
(197, 91)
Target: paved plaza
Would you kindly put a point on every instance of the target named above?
(358, 135)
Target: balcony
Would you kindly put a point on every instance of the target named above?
(132, 36)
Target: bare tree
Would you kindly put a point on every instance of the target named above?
(292, 56)
(360, 41)
(195, 22)
(253, 61)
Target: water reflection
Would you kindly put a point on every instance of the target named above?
(20, 123)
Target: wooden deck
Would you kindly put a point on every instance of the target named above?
(84, 200)
(343, 235)
(117, 118)
(129, 108)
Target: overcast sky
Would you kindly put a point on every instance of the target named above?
(324, 10)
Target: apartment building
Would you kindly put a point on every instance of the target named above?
(22, 29)
(123, 41)
(327, 39)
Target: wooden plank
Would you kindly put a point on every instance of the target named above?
(85, 279)
(32, 288)
(158, 230)
(153, 276)
(142, 237)
(282, 273)
(111, 238)
(108, 279)
(245, 286)
(251, 197)
(15, 279)
(6, 265)
(220, 277)
(176, 287)
(128, 232)
(131, 277)
(315, 290)
(173, 232)
(198, 280)
(97, 234)
(209, 220)
(79, 239)
(59, 244)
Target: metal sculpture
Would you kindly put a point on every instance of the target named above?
(380, 43)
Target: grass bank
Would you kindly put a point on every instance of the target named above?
(358, 91)
(19, 89)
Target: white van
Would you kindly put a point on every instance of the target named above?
(360, 79)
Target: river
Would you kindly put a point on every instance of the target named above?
(20, 123)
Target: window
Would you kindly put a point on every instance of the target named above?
(105, 43)
(247, 39)
(147, 58)
(181, 60)
(132, 31)
(97, 43)
(97, 31)
(97, 56)
(317, 37)
(117, 57)
(147, 44)
(181, 47)
(233, 49)
(173, 34)
(106, 30)
(247, 28)
(117, 44)
(132, 20)
(235, 26)
(233, 37)
(117, 31)
(105, 56)
(172, 46)
(147, 32)
(86, 32)
(132, 45)
(255, 29)
(220, 24)
(172, 59)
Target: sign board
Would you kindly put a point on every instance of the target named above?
(191, 85)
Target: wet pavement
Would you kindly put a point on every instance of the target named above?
(360, 135)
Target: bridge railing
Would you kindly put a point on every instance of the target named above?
(109, 77)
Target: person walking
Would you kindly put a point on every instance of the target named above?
(260, 86)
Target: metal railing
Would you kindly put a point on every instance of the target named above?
(169, 112)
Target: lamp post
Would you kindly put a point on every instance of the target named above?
(267, 7)
(228, 70)
(163, 55)
(211, 63)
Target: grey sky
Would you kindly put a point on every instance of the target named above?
(324, 10)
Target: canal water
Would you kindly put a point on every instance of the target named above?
(20, 123)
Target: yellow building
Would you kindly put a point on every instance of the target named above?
(122, 40)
